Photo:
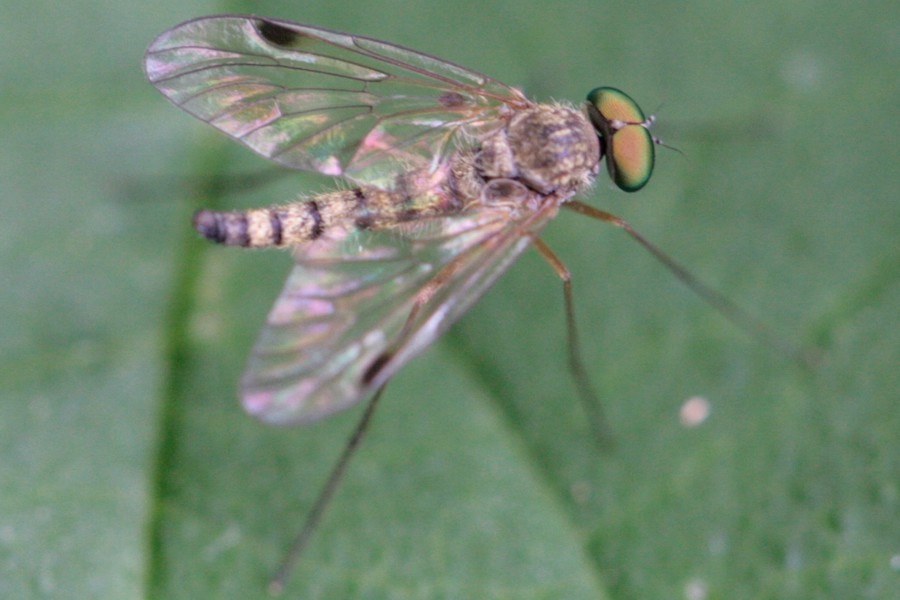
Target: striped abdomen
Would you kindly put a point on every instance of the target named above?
(307, 220)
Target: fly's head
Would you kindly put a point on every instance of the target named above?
(624, 134)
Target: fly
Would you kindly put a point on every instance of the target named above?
(451, 175)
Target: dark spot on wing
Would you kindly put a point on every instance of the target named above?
(376, 367)
(277, 34)
(452, 100)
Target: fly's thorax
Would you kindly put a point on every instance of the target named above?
(547, 147)
(476, 180)
(495, 158)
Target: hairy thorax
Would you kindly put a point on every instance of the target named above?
(547, 148)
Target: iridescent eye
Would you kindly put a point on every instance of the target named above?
(625, 137)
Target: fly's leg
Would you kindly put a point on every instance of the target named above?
(731, 311)
(589, 398)
(276, 584)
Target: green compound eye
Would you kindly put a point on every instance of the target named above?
(624, 136)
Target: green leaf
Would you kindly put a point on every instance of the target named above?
(128, 469)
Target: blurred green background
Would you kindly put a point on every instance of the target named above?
(127, 469)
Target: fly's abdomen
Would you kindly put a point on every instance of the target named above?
(307, 220)
(261, 227)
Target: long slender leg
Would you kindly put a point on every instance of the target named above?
(276, 585)
(589, 399)
(731, 311)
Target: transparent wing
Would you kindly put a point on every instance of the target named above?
(319, 100)
(341, 327)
